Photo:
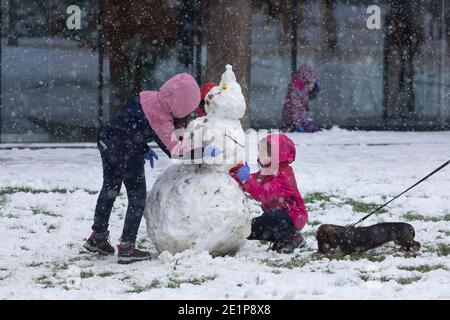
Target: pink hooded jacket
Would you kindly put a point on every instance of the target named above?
(277, 191)
(296, 104)
(177, 98)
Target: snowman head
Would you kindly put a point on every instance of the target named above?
(226, 101)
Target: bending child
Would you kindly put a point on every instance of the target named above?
(284, 212)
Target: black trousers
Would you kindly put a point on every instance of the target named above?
(118, 168)
(272, 226)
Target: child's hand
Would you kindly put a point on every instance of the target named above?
(151, 156)
(211, 151)
(243, 173)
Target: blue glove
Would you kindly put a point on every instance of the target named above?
(316, 86)
(151, 156)
(212, 151)
(243, 173)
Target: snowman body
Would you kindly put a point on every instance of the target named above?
(199, 206)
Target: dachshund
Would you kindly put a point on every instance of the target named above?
(356, 239)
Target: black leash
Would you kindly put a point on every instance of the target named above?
(384, 205)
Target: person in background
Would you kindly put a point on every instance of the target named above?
(303, 88)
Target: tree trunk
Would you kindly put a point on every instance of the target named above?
(185, 33)
(114, 21)
(403, 38)
(228, 27)
(12, 15)
(330, 25)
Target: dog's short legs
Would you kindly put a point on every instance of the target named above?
(336, 255)
(412, 246)
(415, 246)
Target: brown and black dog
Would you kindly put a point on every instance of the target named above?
(356, 239)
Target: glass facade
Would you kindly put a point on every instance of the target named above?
(56, 83)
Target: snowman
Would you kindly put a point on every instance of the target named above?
(199, 206)
(225, 106)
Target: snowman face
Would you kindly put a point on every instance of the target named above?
(225, 101)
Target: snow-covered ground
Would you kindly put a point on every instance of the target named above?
(47, 199)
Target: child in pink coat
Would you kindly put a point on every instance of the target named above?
(304, 87)
(276, 188)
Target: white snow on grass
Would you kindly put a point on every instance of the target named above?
(48, 196)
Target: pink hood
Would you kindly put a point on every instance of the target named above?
(283, 148)
(178, 97)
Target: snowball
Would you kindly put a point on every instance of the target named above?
(198, 207)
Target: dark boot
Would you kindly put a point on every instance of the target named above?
(288, 246)
(99, 242)
(129, 254)
(274, 245)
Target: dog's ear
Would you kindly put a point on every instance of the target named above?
(320, 237)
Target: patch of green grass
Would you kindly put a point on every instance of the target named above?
(86, 274)
(324, 198)
(91, 192)
(441, 249)
(308, 234)
(2, 201)
(405, 254)
(12, 190)
(60, 266)
(142, 244)
(105, 274)
(423, 267)
(135, 288)
(44, 281)
(37, 211)
(370, 255)
(294, 262)
(370, 277)
(35, 264)
(317, 197)
(402, 281)
(364, 207)
(405, 281)
(175, 283)
(418, 217)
